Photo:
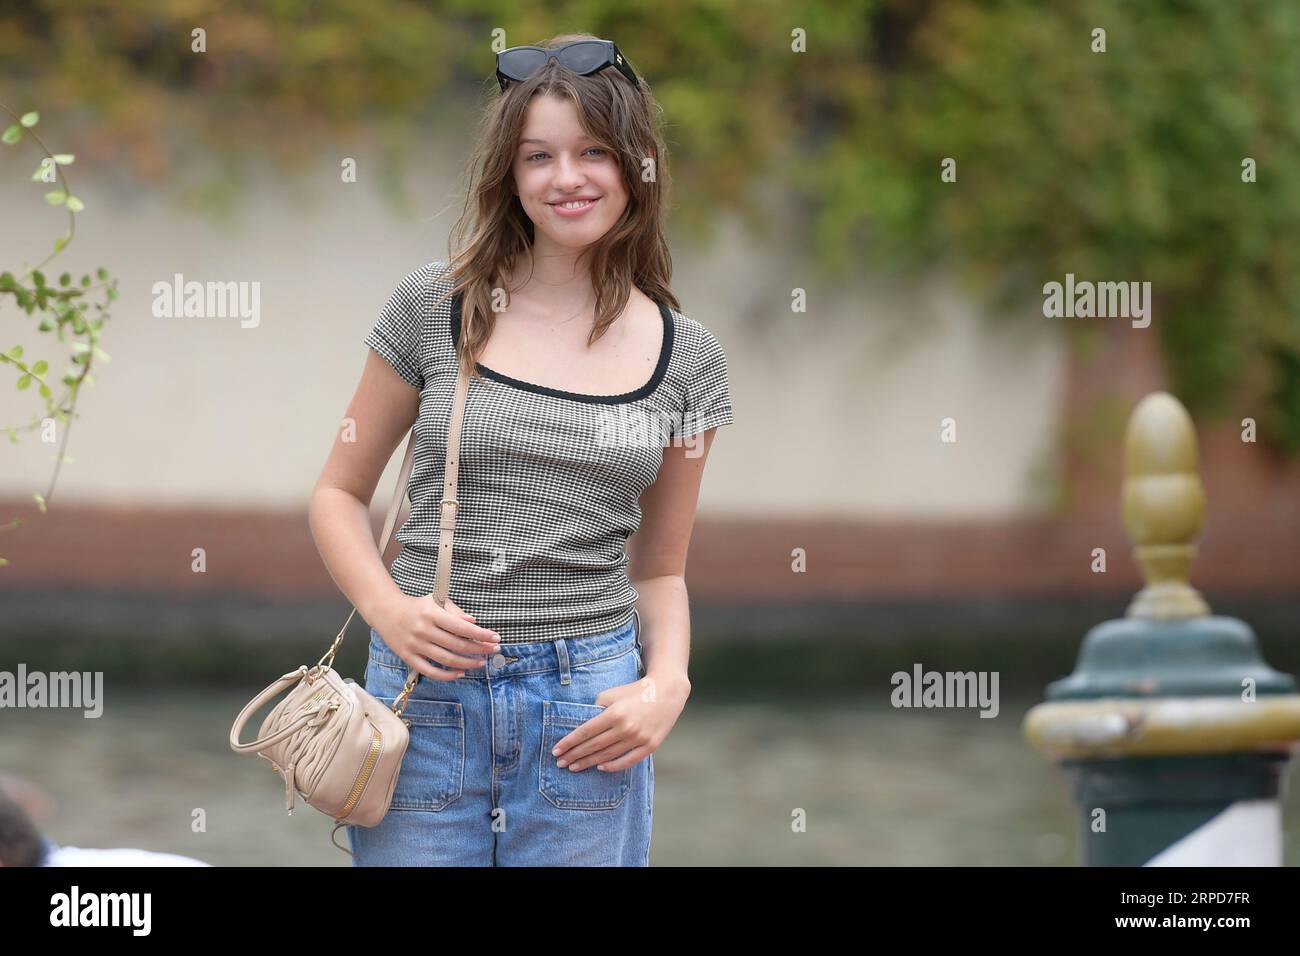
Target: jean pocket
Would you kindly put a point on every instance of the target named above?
(589, 789)
(432, 774)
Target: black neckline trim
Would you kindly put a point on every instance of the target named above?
(665, 353)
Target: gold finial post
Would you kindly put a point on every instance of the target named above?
(1164, 506)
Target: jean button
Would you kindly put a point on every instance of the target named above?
(499, 660)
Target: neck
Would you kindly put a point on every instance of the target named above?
(554, 279)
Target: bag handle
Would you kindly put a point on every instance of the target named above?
(289, 679)
(447, 525)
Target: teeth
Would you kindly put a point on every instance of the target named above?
(576, 205)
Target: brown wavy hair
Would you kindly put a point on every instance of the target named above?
(493, 231)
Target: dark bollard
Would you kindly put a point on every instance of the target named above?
(1174, 734)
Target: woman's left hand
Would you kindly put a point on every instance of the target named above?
(636, 720)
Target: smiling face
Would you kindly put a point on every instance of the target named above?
(556, 161)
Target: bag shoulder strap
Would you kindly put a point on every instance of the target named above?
(447, 507)
(449, 503)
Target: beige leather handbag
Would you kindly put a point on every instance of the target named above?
(333, 742)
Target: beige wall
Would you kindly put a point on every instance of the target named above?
(838, 409)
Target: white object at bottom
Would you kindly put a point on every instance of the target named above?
(1247, 833)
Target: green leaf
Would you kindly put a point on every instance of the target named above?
(16, 352)
(85, 282)
(102, 273)
(24, 382)
(40, 367)
(39, 278)
(65, 279)
(30, 119)
(102, 355)
(12, 134)
(75, 204)
(64, 159)
(56, 198)
(59, 243)
(112, 294)
(45, 391)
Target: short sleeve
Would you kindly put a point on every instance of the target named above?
(398, 333)
(708, 393)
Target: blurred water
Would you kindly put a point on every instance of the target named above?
(878, 786)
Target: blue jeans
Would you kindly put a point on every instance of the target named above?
(478, 784)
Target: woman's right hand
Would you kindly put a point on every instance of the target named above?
(417, 629)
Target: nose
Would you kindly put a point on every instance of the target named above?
(568, 176)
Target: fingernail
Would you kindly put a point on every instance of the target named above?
(562, 763)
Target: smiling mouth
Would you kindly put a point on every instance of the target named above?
(580, 205)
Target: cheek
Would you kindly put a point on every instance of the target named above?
(618, 202)
(532, 188)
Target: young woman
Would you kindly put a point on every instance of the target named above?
(559, 664)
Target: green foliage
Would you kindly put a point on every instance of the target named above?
(1119, 166)
(1115, 166)
(59, 308)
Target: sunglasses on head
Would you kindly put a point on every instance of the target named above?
(583, 57)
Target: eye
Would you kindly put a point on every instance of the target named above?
(531, 156)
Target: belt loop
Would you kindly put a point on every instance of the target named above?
(562, 656)
(636, 617)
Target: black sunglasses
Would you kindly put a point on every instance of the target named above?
(583, 57)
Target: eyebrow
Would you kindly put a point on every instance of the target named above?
(542, 142)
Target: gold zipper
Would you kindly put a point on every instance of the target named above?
(376, 744)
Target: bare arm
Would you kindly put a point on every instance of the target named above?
(639, 716)
(658, 561)
(381, 412)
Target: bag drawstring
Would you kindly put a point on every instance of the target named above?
(323, 710)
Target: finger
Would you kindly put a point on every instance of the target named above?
(468, 630)
(459, 610)
(591, 745)
(627, 760)
(443, 655)
(433, 673)
(441, 637)
(612, 751)
(580, 735)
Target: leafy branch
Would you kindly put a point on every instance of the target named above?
(61, 307)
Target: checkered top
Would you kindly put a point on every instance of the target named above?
(549, 480)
